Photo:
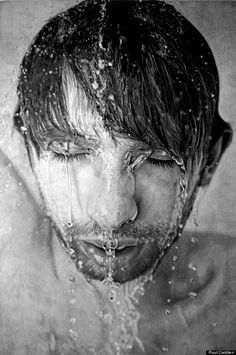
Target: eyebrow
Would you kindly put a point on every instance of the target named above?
(54, 134)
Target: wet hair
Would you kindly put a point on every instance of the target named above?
(144, 68)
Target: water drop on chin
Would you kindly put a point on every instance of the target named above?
(192, 295)
(164, 349)
(112, 295)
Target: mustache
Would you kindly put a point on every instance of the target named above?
(133, 231)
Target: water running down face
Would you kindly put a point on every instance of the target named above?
(120, 158)
(110, 197)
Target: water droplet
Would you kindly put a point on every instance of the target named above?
(170, 282)
(68, 238)
(192, 267)
(95, 85)
(175, 257)
(192, 295)
(71, 278)
(111, 97)
(168, 300)
(112, 295)
(164, 349)
(73, 333)
(214, 324)
(194, 240)
(72, 291)
(167, 312)
(73, 301)
(52, 342)
(73, 320)
(108, 318)
(80, 264)
(173, 268)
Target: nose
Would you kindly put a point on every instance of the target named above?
(115, 204)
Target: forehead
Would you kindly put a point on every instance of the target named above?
(86, 123)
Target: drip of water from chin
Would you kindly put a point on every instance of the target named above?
(129, 316)
(109, 245)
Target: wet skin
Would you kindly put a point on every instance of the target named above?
(102, 191)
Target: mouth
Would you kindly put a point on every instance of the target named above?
(123, 252)
(127, 257)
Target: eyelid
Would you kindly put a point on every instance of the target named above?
(160, 154)
(69, 148)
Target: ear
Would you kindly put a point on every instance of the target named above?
(216, 150)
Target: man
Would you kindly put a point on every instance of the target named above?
(118, 112)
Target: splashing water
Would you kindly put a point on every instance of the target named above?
(109, 245)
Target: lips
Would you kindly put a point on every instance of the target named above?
(115, 244)
(124, 250)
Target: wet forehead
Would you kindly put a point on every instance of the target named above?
(88, 125)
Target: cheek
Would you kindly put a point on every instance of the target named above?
(53, 181)
(66, 189)
(157, 193)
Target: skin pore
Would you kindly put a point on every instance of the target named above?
(110, 195)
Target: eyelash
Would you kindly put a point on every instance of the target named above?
(162, 163)
(67, 157)
(82, 156)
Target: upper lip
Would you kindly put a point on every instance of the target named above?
(114, 243)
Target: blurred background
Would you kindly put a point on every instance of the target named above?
(215, 209)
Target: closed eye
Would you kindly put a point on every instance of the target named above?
(68, 151)
(69, 157)
(161, 158)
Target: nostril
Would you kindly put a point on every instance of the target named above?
(131, 219)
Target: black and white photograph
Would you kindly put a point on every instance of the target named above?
(117, 177)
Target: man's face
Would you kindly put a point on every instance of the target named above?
(116, 203)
